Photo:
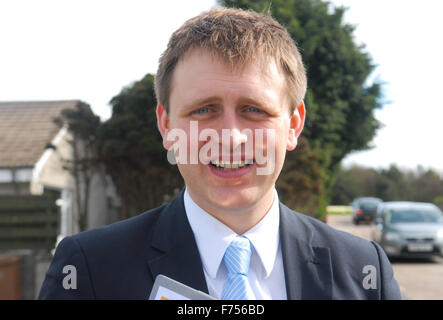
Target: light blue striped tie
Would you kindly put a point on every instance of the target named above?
(236, 260)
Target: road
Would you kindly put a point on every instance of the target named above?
(418, 279)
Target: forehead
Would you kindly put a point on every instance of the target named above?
(200, 73)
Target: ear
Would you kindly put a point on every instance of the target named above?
(163, 125)
(297, 122)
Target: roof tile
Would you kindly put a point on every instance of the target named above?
(26, 127)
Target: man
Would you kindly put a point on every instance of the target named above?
(230, 85)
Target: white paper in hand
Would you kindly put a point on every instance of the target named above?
(168, 289)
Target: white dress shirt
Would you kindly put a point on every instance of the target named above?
(266, 274)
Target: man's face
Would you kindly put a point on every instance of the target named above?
(206, 92)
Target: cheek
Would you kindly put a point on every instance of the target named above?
(281, 144)
(280, 134)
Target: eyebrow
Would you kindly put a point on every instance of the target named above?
(256, 101)
(262, 103)
(199, 102)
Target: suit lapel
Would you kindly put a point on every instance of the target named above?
(178, 256)
(308, 271)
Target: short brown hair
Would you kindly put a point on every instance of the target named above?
(238, 37)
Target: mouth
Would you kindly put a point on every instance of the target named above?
(231, 166)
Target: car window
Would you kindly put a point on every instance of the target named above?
(369, 206)
(413, 216)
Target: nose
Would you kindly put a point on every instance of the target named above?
(233, 135)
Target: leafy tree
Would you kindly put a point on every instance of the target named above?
(302, 192)
(438, 200)
(392, 184)
(131, 147)
(340, 102)
(354, 182)
(83, 124)
(427, 185)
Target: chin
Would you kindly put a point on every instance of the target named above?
(234, 197)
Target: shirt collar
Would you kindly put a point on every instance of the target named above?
(213, 237)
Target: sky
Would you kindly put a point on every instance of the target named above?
(403, 38)
(90, 50)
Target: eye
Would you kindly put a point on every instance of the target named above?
(203, 110)
(254, 110)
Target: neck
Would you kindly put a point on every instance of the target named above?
(240, 220)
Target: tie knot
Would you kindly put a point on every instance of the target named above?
(238, 256)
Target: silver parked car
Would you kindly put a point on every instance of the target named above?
(409, 229)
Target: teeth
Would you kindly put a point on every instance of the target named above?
(234, 165)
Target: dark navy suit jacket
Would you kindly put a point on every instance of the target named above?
(121, 261)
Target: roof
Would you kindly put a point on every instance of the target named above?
(26, 127)
(407, 204)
